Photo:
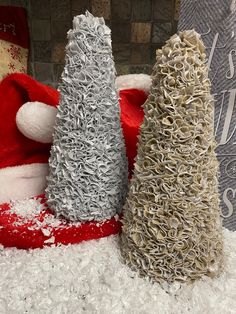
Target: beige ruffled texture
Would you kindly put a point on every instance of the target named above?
(172, 227)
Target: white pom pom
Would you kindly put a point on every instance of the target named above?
(36, 120)
(137, 81)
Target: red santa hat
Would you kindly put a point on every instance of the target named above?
(133, 91)
(141, 82)
(27, 115)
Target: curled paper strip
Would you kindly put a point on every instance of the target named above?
(88, 165)
(172, 228)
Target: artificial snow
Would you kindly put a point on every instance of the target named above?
(28, 208)
(50, 240)
(90, 278)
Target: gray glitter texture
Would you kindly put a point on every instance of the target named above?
(88, 166)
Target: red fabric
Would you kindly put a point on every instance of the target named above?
(131, 101)
(14, 25)
(15, 148)
(27, 235)
(17, 89)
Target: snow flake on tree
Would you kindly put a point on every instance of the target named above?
(15, 52)
(23, 70)
(11, 66)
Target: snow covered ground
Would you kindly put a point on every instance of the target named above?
(90, 278)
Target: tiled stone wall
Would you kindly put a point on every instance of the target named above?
(139, 27)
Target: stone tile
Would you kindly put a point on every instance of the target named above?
(108, 23)
(57, 71)
(161, 32)
(174, 27)
(177, 9)
(101, 8)
(120, 32)
(140, 32)
(42, 51)
(43, 72)
(60, 10)
(153, 53)
(5, 2)
(52, 84)
(31, 56)
(19, 3)
(121, 53)
(163, 9)
(140, 54)
(40, 9)
(121, 10)
(122, 69)
(58, 52)
(31, 52)
(80, 6)
(41, 30)
(30, 69)
(60, 29)
(142, 10)
(144, 68)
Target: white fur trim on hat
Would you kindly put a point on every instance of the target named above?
(137, 81)
(21, 182)
(36, 121)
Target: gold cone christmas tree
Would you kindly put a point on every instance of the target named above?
(171, 225)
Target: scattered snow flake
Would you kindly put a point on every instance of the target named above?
(50, 240)
(28, 208)
(46, 232)
(117, 217)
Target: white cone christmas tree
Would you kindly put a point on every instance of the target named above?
(172, 228)
(88, 166)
